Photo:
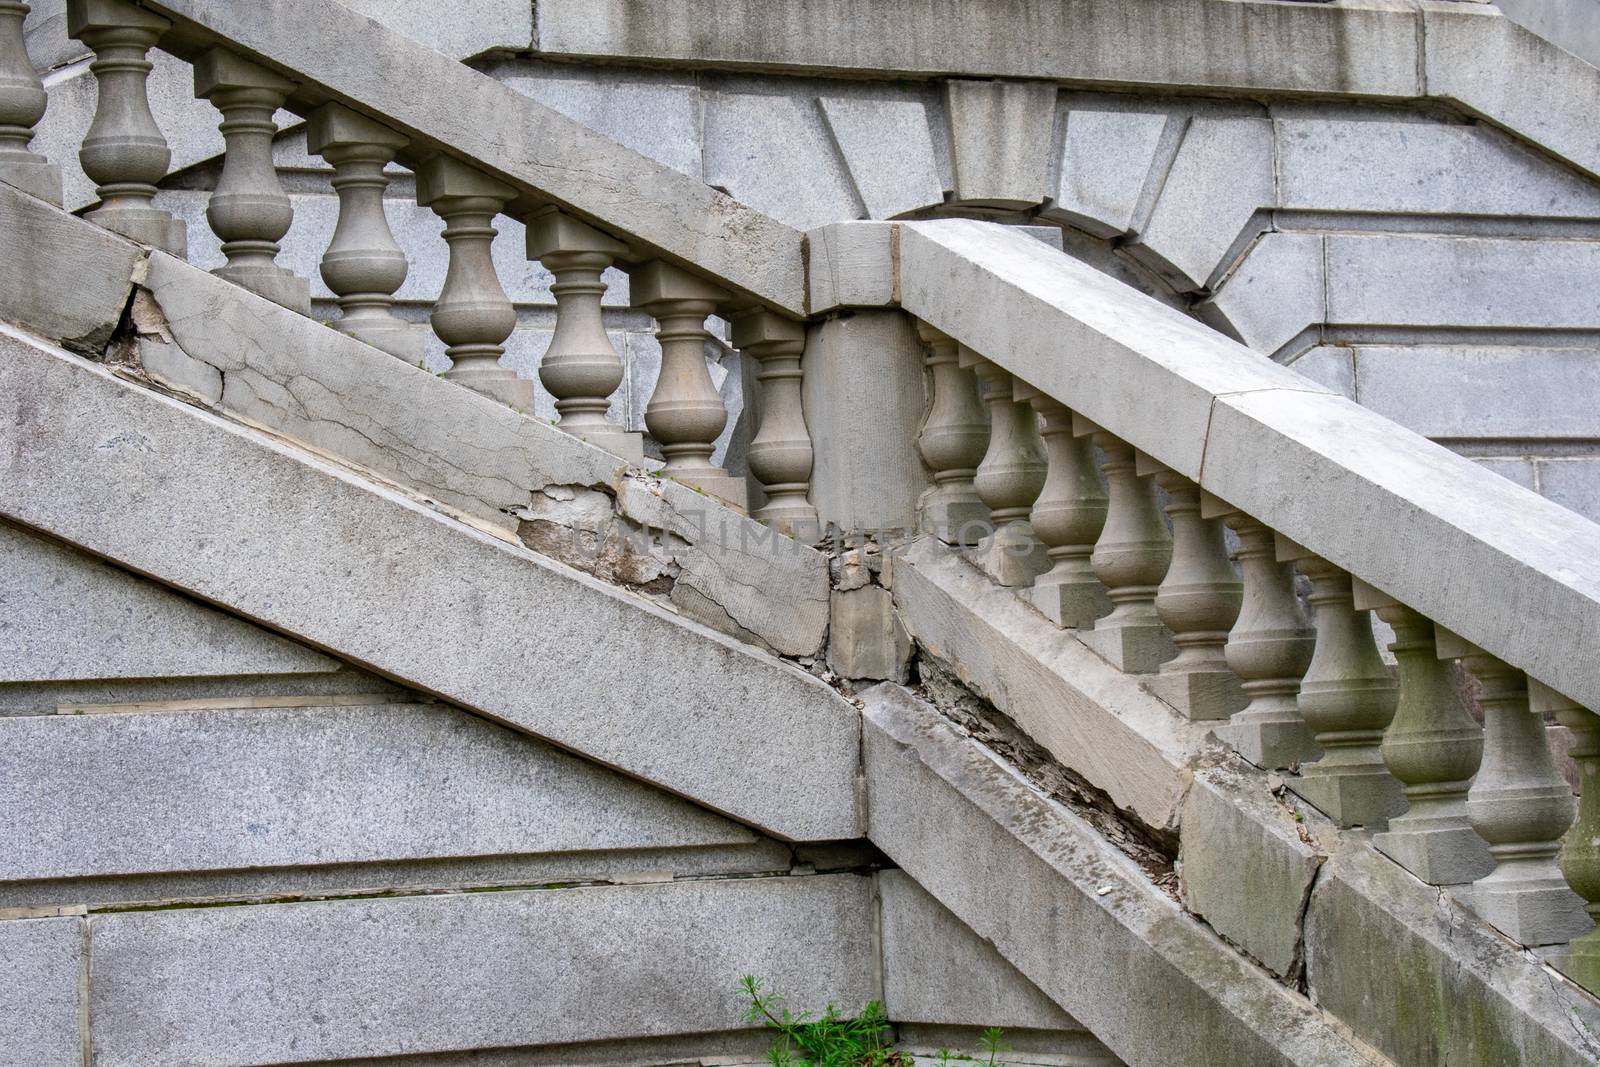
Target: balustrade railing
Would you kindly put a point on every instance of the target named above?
(127, 156)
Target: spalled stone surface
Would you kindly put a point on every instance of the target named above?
(1106, 160)
(936, 970)
(866, 638)
(257, 788)
(1083, 711)
(41, 961)
(1000, 135)
(279, 537)
(66, 616)
(1079, 919)
(1276, 293)
(1424, 982)
(1245, 868)
(889, 149)
(46, 290)
(1221, 175)
(775, 154)
(298, 983)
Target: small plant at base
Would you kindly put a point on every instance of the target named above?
(829, 1040)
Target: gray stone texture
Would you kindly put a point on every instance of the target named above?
(41, 275)
(184, 791)
(888, 147)
(65, 617)
(866, 639)
(1078, 918)
(383, 581)
(1572, 483)
(1106, 159)
(484, 26)
(300, 983)
(1423, 983)
(41, 963)
(850, 264)
(1221, 175)
(775, 154)
(1000, 138)
(1244, 867)
(1572, 24)
(1275, 293)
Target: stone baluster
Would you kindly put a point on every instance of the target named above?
(1130, 558)
(954, 437)
(780, 455)
(473, 315)
(1269, 648)
(1068, 518)
(1347, 698)
(249, 210)
(1199, 601)
(1433, 747)
(581, 368)
(685, 413)
(22, 105)
(1521, 805)
(1009, 479)
(363, 265)
(1580, 850)
(124, 153)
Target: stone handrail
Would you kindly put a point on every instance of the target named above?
(1464, 564)
(479, 150)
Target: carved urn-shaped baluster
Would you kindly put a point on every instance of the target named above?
(1009, 479)
(22, 105)
(1580, 849)
(954, 437)
(780, 454)
(1068, 518)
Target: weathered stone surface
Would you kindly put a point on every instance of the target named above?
(1363, 49)
(1425, 983)
(1568, 23)
(775, 154)
(889, 149)
(97, 795)
(1244, 866)
(279, 537)
(936, 970)
(45, 289)
(1082, 710)
(483, 27)
(866, 638)
(1276, 293)
(44, 31)
(1428, 168)
(863, 394)
(1078, 335)
(1332, 366)
(1000, 135)
(1572, 483)
(67, 616)
(1079, 919)
(1413, 280)
(41, 961)
(1221, 175)
(1461, 392)
(1106, 160)
(850, 264)
(297, 983)
(514, 138)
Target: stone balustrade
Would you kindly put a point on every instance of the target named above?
(250, 213)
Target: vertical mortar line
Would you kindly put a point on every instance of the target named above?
(880, 982)
(1422, 50)
(85, 1039)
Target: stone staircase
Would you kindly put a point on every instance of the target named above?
(502, 743)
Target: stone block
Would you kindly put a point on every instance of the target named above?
(1572, 483)
(1022, 306)
(535, 147)
(1138, 649)
(863, 392)
(850, 264)
(69, 616)
(1083, 711)
(936, 970)
(1001, 133)
(888, 147)
(1462, 392)
(1206, 695)
(775, 154)
(1220, 177)
(1276, 294)
(41, 255)
(486, 26)
(1568, 23)
(1423, 168)
(41, 966)
(44, 32)
(866, 639)
(312, 550)
(1330, 366)
(1078, 918)
(1398, 968)
(378, 978)
(1106, 161)
(107, 795)
(1417, 280)
(1244, 867)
